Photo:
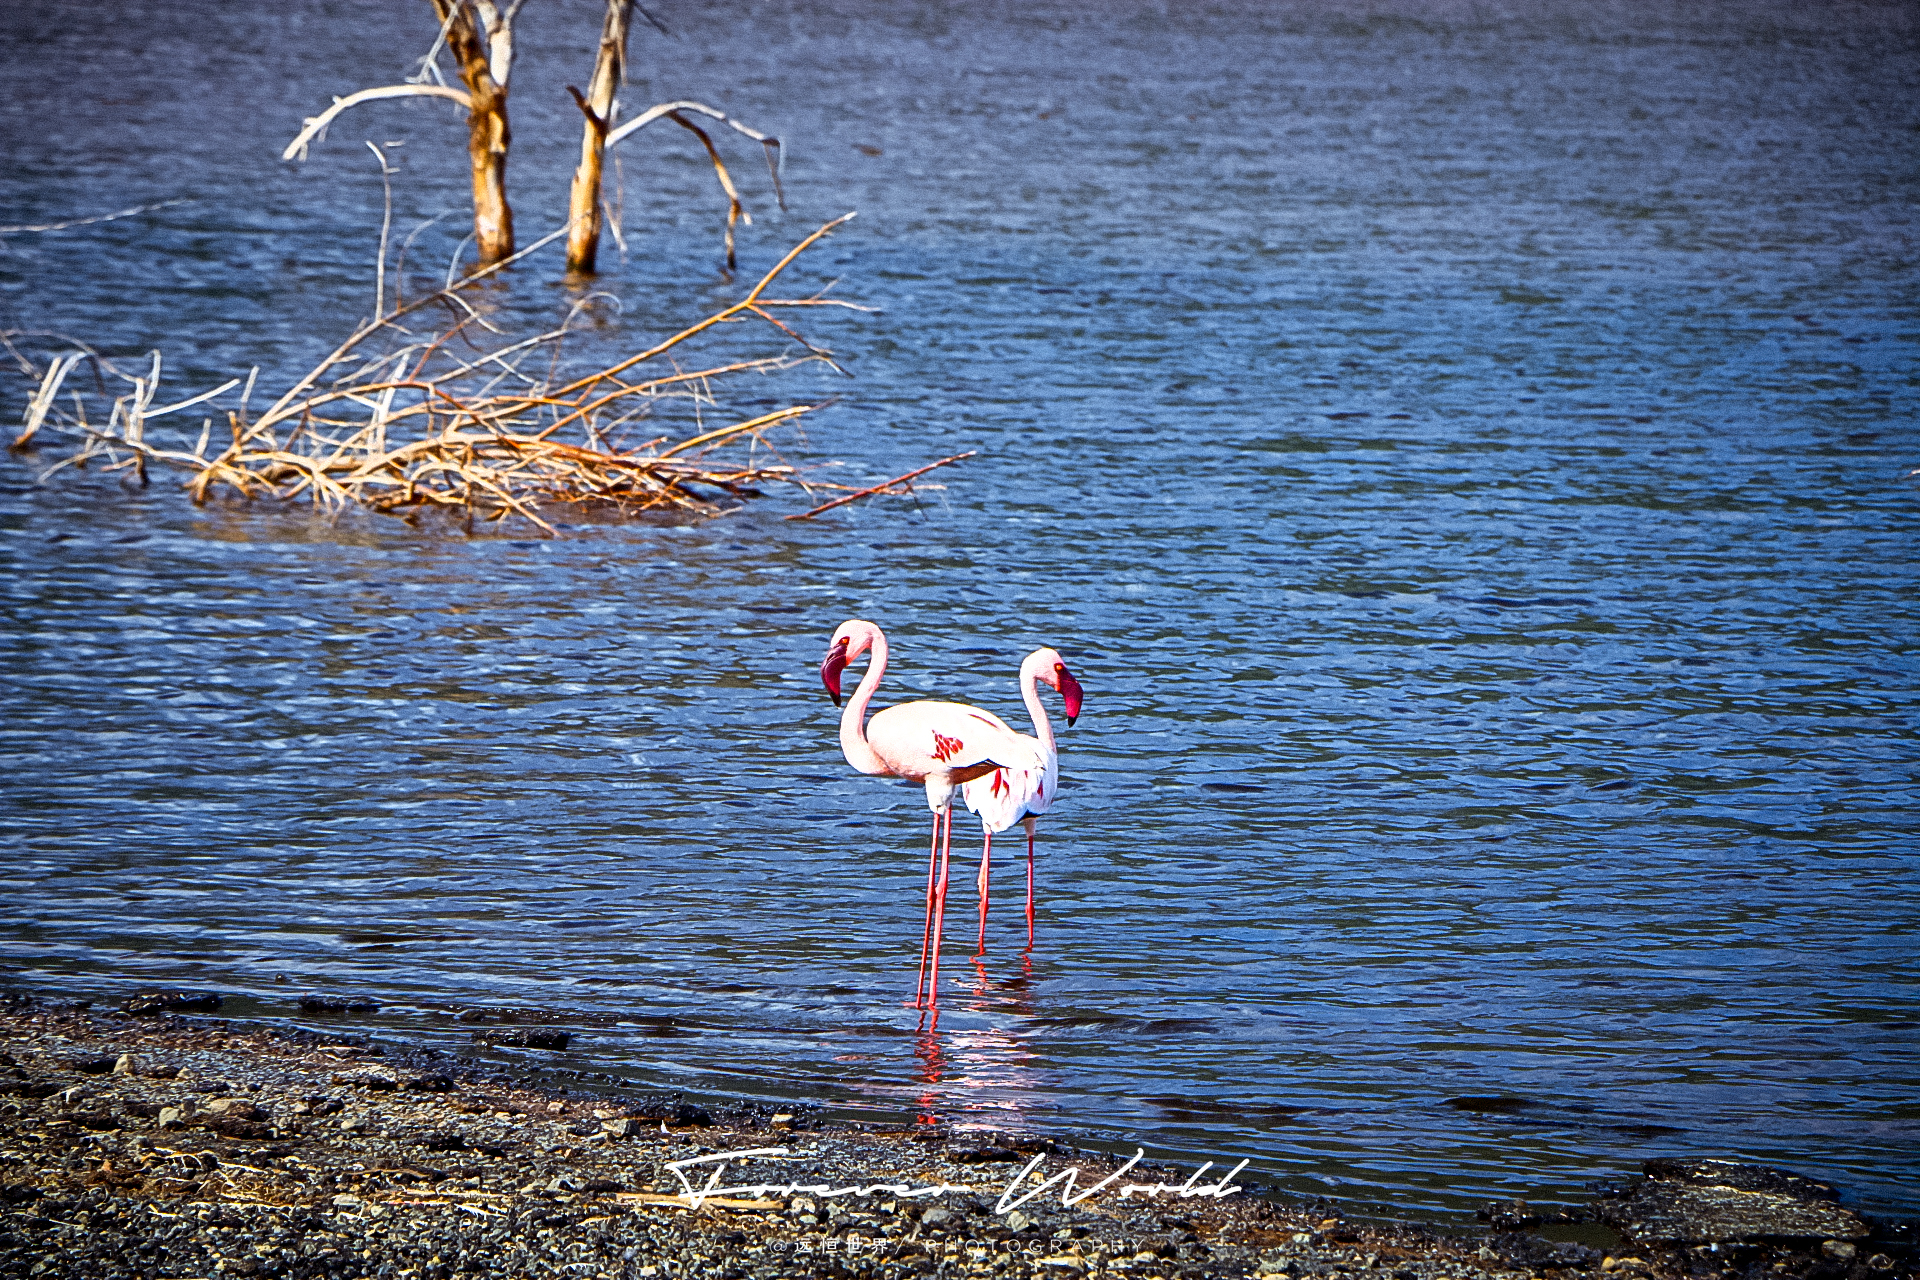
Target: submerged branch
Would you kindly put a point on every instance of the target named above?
(99, 217)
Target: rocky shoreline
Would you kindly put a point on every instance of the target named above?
(180, 1146)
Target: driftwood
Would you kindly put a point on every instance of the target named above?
(428, 423)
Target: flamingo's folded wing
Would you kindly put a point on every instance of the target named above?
(962, 742)
(1005, 795)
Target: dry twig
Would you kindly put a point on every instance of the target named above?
(881, 488)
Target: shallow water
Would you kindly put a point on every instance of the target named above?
(1460, 450)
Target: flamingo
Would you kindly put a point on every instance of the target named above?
(944, 745)
(1026, 786)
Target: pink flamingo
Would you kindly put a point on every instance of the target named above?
(1026, 785)
(941, 744)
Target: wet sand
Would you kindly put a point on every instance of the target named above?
(171, 1146)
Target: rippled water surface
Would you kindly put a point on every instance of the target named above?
(1460, 449)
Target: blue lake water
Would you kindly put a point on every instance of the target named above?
(1461, 450)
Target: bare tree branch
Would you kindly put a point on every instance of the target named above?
(316, 125)
(776, 153)
(880, 488)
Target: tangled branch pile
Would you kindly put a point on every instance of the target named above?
(422, 425)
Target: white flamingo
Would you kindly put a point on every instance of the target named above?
(941, 744)
(1024, 787)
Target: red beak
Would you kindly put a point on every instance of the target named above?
(1070, 692)
(831, 666)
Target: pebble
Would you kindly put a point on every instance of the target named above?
(338, 1004)
(525, 1038)
(1688, 1202)
(153, 1003)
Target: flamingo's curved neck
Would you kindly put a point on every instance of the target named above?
(1030, 690)
(853, 721)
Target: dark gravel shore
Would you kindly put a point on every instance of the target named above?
(163, 1146)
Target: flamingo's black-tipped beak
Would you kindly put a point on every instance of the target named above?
(831, 666)
(1070, 692)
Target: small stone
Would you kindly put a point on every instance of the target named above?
(936, 1217)
(149, 1004)
(1018, 1221)
(525, 1038)
(1682, 1202)
(783, 1121)
(688, 1113)
(125, 1065)
(1880, 1262)
(1841, 1249)
(621, 1128)
(556, 1108)
(338, 1004)
(1509, 1215)
(352, 1124)
(237, 1108)
(171, 1118)
(1301, 1237)
(347, 1202)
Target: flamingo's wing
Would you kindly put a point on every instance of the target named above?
(921, 738)
(1007, 794)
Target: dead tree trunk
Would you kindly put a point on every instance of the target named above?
(609, 69)
(487, 133)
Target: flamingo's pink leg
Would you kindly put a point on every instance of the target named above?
(1030, 882)
(926, 933)
(986, 862)
(940, 907)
